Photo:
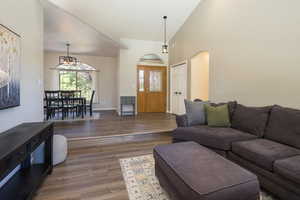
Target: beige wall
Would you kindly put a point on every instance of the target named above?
(129, 59)
(253, 46)
(199, 86)
(105, 79)
(26, 19)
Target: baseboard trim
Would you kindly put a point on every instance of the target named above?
(103, 109)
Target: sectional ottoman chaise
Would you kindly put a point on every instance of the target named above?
(264, 140)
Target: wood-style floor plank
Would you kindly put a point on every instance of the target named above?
(111, 124)
(92, 170)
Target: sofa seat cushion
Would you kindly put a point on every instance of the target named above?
(263, 152)
(218, 138)
(288, 168)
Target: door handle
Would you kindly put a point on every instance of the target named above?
(178, 93)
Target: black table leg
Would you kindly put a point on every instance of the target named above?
(48, 153)
(82, 110)
(26, 163)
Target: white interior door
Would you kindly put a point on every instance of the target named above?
(178, 88)
(174, 94)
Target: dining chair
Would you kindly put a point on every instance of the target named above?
(69, 102)
(51, 93)
(51, 104)
(90, 105)
(81, 107)
(47, 109)
(69, 106)
(78, 93)
(67, 93)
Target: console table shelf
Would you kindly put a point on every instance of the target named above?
(20, 142)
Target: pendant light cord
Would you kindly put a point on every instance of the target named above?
(165, 24)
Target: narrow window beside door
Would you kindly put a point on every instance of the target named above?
(141, 80)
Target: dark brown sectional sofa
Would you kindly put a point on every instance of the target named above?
(264, 140)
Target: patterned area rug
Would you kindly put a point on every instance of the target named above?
(141, 183)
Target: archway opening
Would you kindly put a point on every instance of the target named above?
(200, 76)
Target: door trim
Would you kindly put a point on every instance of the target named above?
(180, 63)
(171, 81)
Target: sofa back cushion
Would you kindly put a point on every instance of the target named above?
(284, 126)
(231, 107)
(252, 120)
(217, 116)
(195, 112)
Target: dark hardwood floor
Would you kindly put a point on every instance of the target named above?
(111, 124)
(92, 170)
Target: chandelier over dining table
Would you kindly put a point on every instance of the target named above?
(71, 63)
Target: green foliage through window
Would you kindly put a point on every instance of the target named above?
(73, 80)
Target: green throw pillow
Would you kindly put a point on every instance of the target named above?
(217, 116)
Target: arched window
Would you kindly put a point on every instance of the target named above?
(151, 58)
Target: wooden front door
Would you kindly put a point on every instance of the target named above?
(152, 88)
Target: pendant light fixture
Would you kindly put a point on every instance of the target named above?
(67, 60)
(165, 46)
(69, 63)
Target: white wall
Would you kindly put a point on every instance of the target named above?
(106, 80)
(129, 59)
(26, 19)
(253, 46)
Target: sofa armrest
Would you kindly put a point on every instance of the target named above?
(182, 121)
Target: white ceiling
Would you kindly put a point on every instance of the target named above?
(61, 27)
(115, 19)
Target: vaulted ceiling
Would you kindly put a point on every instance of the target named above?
(115, 19)
(61, 27)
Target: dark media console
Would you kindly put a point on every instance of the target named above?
(16, 147)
